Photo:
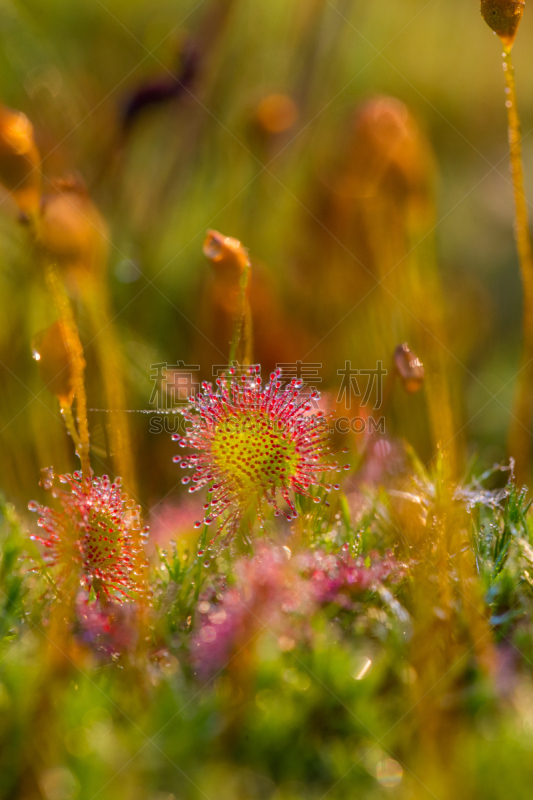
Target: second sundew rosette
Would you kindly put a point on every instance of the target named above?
(257, 446)
(94, 537)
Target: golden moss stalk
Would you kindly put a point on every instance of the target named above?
(504, 16)
(77, 362)
(520, 429)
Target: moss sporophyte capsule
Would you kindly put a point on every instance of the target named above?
(503, 16)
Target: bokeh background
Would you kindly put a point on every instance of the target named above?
(261, 141)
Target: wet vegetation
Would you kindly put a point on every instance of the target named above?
(266, 363)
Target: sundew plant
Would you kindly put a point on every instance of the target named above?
(254, 444)
(266, 407)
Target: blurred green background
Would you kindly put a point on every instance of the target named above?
(201, 159)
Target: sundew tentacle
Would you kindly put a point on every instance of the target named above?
(256, 445)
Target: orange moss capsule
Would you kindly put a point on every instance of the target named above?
(232, 295)
(71, 229)
(277, 113)
(388, 156)
(226, 252)
(19, 160)
(409, 368)
(54, 363)
(503, 16)
(230, 261)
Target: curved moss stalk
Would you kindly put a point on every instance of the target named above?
(520, 428)
(75, 351)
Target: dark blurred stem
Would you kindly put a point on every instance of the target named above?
(520, 427)
(241, 340)
(75, 352)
